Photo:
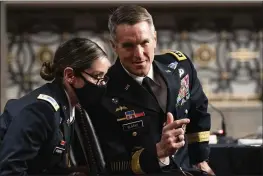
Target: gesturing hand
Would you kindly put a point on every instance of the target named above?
(172, 136)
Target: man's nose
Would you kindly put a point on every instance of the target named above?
(138, 51)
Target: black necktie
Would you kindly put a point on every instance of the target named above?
(146, 83)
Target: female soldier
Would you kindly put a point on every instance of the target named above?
(37, 127)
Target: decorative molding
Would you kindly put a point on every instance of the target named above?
(226, 51)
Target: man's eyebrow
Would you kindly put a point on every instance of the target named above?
(127, 44)
(145, 40)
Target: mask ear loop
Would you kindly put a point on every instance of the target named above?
(84, 79)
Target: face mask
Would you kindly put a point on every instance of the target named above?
(89, 94)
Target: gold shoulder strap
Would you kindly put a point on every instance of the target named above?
(178, 55)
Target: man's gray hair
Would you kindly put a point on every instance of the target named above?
(128, 14)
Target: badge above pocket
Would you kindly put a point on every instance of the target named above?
(129, 115)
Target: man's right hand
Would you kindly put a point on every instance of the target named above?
(172, 136)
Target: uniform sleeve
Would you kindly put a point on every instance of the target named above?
(198, 131)
(24, 137)
(120, 157)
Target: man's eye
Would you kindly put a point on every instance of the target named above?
(145, 42)
(127, 45)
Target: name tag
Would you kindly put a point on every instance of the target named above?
(132, 125)
(58, 150)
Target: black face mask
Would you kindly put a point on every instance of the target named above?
(90, 94)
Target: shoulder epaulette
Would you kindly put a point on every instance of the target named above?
(49, 99)
(178, 55)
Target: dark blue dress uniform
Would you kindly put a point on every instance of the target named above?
(34, 142)
(129, 121)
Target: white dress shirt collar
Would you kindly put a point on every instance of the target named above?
(139, 79)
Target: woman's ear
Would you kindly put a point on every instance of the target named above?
(69, 76)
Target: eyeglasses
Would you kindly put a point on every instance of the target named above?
(100, 81)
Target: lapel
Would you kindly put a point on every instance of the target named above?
(172, 80)
(127, 89)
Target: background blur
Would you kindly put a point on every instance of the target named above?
(224, 40)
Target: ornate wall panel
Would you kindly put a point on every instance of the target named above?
(3, 49)
(225, 44)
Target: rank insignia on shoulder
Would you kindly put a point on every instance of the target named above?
(178, 55)
(120, 108)
(49, 99)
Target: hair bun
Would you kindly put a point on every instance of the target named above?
(47, 71)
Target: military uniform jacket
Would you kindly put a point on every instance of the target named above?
(129, 122)
(33, 142)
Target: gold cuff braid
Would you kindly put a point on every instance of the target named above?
(198, 137)
(135, 163)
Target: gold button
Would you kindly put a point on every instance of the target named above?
(134, 133)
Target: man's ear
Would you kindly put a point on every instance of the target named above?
(69, 76)
(155, 38)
